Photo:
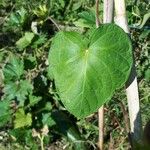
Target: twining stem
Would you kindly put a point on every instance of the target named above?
(101, 127)
(54, 22)
(107, 18)
(131, 85)
(101, 110)
(126, 120)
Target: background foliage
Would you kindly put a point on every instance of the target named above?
(31, 114)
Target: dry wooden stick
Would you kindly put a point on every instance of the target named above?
(131, 85)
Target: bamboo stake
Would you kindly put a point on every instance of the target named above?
(131, 85)
(108, 11)
(107, 18)
(97, 21)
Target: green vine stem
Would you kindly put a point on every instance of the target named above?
(41, 138)
(107, 18)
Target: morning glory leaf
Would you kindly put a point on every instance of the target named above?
(87, 73)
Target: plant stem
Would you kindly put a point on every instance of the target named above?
(54, 22)
(41, 142)
(131, 85)
(107, 18)
(126, 120)
(101, 127)
(101, 110)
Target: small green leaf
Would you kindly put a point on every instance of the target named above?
(144, 34)
(13, 69)
(41, 11)
(5, 112)
(41, 39)
(47, 119)
(87, 74)
(22, 119)
(147, 74)
(25, 40)
(62, 3)
(89, 16)
(33, 100)
(76, 5)
(19, 90)
(145, 19)
(87, 19)
(48, 106)
(18, 18)
(30, 62)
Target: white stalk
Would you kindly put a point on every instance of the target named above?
(131, 85)
(108, 11)
(107, 18)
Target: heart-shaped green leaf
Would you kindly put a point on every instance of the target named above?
(87, 73)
